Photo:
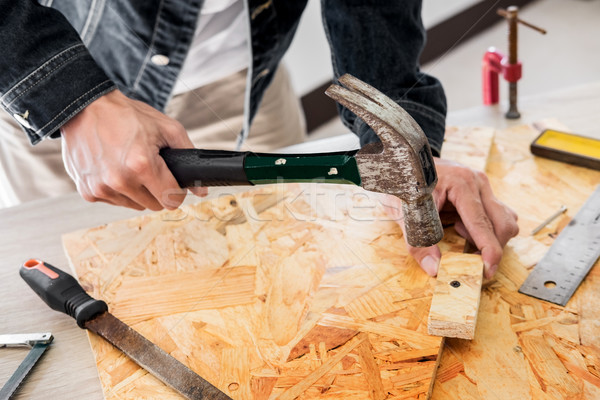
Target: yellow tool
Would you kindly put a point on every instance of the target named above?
(568, 147)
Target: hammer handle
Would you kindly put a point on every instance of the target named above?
(197, 167)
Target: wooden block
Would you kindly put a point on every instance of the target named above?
(455, 302)
(508, 359)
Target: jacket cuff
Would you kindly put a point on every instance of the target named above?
(52, 94)
(431, 122)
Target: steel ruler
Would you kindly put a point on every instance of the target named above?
(574, 252)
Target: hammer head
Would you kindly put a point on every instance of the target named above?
(401, 165)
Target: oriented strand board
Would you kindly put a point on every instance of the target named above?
(525, 348)
(374, 291)
(301, 291)
(456, 296)
(469, 146)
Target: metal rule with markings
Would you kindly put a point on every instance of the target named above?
(574, 252)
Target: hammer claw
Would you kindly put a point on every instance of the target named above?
(405, 165)
(368, 91)
(373, 113)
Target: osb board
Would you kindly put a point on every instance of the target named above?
(469, 145)
(301, 291)
(524, 348)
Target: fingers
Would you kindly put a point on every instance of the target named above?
(427, 257)
(142, 186)
(393, 207)
(164, 187)
(107, 195)
(466, 196)
(502, 217)
(94, 192)
(483, 219)
(153, 182)
(480, 229)
(176, 136)
(134, 196)
(199, 191)
(478, 225)
(500, 226)
(505, 227)
(169, 192)
(116, 160)
(140, 183)
(463, 231)
(126, 184)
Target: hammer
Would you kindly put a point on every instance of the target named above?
(401, 165)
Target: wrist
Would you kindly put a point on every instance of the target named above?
(96, 107)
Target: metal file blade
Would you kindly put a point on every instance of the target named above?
(153, 359)
(63, 293)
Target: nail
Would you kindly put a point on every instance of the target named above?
(430, 265)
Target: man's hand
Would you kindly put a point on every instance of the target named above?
(110, 149)
(465, 195)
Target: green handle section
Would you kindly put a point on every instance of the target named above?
(283, 168)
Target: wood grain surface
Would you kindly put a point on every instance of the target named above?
(468, 145)
(339, 310)
(526, 348)
(456, 295)
(493, 366)
(281, 292)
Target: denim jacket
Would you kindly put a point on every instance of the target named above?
(60, 55)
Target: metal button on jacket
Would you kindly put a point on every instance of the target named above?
(159, 59)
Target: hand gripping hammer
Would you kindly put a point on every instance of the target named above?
(401, 165)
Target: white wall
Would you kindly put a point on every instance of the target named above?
(566, 56)
(309, 58)
(436, 11)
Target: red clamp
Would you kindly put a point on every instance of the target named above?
(493, 64)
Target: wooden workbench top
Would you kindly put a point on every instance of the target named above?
(34, 230)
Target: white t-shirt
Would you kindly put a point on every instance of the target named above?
(219, 47)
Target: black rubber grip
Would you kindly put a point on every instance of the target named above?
(61, 291)
(196, 167)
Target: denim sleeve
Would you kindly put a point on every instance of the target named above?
(47, 75)
(379, 42)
